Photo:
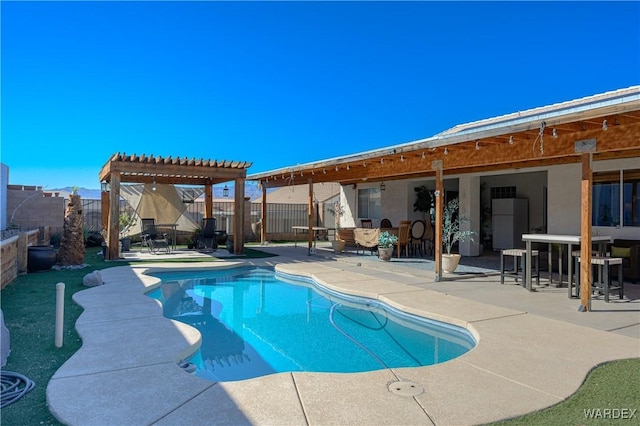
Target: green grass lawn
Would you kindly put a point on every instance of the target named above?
(28, 304)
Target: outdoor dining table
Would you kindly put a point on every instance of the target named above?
(174, 228)
(569, 241)
(317, 231)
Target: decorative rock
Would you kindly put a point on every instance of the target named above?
(92, 279)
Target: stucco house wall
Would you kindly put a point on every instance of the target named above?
(565, 199)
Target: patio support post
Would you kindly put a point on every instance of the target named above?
(208, 200)
(104, 210)
(113, 230)
(437, 165)
(585, 233)
(310, 183)
(263, 220)
(238, 217)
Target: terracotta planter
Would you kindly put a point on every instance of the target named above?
(338, 246)
(450, 262)
(385, 253)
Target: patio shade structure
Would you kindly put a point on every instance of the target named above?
(123, 168)
(599, 127)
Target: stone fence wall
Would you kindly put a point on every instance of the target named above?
(28, 207)
(14, 252)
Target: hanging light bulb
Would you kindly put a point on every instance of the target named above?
(604, 125)
(225, 191)
(423, 156)
(477, 145)
(446, 151)
(510, 140)
(382, 186)
(554, 133)
(153, 185)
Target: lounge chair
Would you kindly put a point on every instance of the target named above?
(152, 238)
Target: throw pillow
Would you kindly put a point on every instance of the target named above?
(620, 251)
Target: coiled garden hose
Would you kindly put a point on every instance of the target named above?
(14, 386)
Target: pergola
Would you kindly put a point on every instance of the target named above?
(123, 168)
(600, 127)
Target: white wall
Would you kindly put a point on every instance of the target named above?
(565, 199)
(469, 188)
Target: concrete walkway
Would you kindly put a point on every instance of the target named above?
(534, 350)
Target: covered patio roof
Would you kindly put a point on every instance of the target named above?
(538, 137)
(599, 127)
(123, 168)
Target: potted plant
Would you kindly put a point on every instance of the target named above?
(386, 242)
(126, 220)
(337, 210)
(451, 234)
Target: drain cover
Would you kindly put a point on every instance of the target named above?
(405, 388)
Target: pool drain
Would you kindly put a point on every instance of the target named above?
(404, 388)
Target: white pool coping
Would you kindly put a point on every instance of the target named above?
(125, 373)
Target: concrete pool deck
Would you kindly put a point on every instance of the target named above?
(534, 350)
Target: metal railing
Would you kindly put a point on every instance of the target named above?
(280, 217)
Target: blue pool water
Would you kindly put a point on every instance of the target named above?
(255, 322)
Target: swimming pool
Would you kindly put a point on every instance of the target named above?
(255, 322)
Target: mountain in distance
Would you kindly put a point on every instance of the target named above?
(251, 190)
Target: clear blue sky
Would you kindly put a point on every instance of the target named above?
(284, 83)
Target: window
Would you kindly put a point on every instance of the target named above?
(616, 198)
(369, 203)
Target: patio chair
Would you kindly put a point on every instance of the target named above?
(428, 236)
(385, 223)
(416, 237)
(152, 238)
(366, 223)
(403, 237)
(208, 237)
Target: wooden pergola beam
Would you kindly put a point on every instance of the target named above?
(121, 168)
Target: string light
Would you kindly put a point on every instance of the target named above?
(477, 146)
(604, 125)
(402, 158)
(554, 133)
(382, 161)
(510, 140)
(423, 156)
(446, 151)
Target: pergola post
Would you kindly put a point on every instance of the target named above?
(310, 210)
(238, 217)
(208, 200)
(113, 230)
(104, 209)
(263, 227)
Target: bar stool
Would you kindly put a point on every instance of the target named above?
(604, 284)
(519, 254)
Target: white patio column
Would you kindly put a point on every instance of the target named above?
(469, 190)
